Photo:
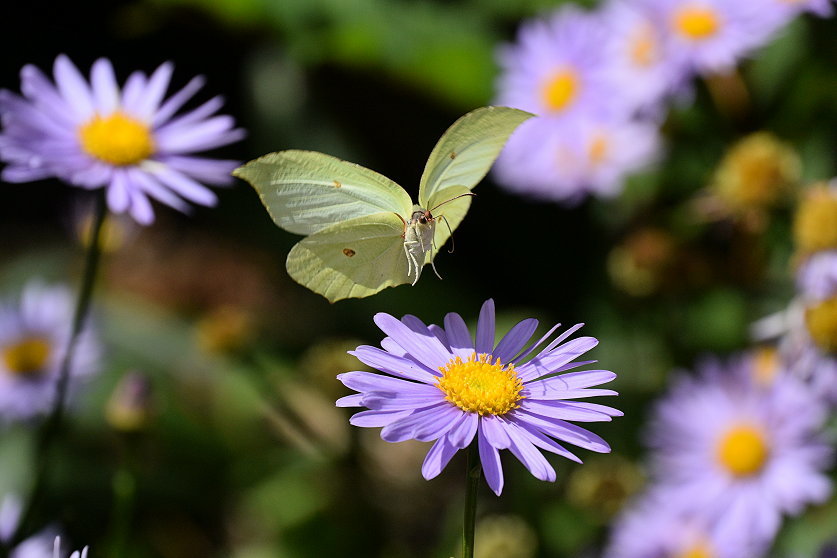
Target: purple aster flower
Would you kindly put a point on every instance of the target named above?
(439, 384)
(565, 161)
(556, 68)
(709, 35)
(816, 278)
(639, 59)
(652, 527)
(33, 338)
(127, 140)
(740, 452)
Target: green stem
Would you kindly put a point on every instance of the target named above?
(53, 422)
(124, 495)
(472, 479)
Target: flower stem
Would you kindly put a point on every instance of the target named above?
(53, 422)
(472, 479)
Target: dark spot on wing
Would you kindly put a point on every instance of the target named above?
(452, 155)
(337, 184)
(348, 252)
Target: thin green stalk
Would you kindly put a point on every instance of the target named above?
(53, 422)
(472, 479)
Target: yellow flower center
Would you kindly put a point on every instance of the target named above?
(696, 22)
(26, 357)
(815, 224)
(742, 450)
(598, 149)
(822, 324)
(478, 385)
(701, 549)
(560, 90)
(117, 139)
(643, 50)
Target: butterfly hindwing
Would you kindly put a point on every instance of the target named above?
(354, 258)
(307, 191)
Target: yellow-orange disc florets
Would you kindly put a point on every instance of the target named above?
(478, 385)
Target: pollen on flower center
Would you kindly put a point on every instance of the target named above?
(117, 139)
(478, 385)
(643, 50)
(598, 149)
(26, 357)
(742, 450)
(696, 22)
(560, 90)
(699, 550)
(821, 321)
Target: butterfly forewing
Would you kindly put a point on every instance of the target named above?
(466, 151)
(354, 258)
(307, 191)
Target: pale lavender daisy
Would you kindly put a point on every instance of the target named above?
(639, 59)
(127, 140)
(740, 452)
(440, 384)
(653, 526)
(709, 36)
(567, 161)
(816, 278)
(556, 67)
(34, 333)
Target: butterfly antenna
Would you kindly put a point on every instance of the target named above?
(452, 243)
(450, 200)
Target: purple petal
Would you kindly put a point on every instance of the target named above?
(176, 101)
(380, 401)
(550, 362)
(564, 431)
(117, 193)
(536, 345)
(73, 88)
(36, 86)
(140, 207)
(211, 171)
(132, 92)
(370, 382)
(437, 458)
(557, 341)
(104, 85)
(462, 433)
(377, 419)
(438, 425)
(546, 394)
(425, 348)
(200, 136)
(353, 400)
(491, 466)
(154, 92)
(485, 328)
(405, 428)
(493, 427)
(542, 441)
(386, 361)
(439, 333)
(390, 346)
(459, 338)
(529, 455)
(153, 188)
(571, 381)
(564, 411)
(515, 340)
(184, 186)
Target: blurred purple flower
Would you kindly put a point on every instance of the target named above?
(439, 384)
(708, 36)
(738, 448)
(651, 527)
(555, 68)
(96, 135)
(33, 339)
(639, 60)
(567, 161)
(816, 278)
(39, 545)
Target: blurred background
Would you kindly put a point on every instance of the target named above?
(233, 446)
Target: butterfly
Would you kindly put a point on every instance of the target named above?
(363, 231)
